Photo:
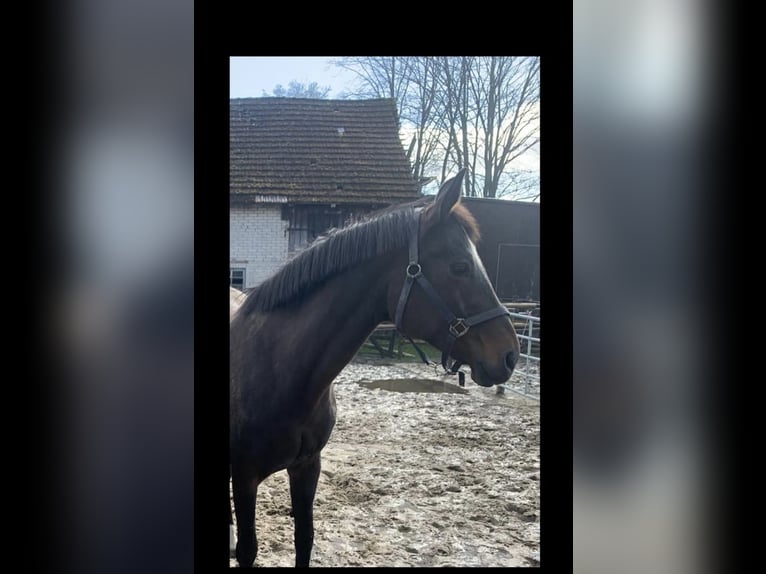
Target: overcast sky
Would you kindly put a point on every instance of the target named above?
(250, 76)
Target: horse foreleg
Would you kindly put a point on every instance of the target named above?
(245, 491)
(303, 487)
(232, 541)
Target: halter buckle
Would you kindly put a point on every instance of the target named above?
(458, 328)
(414, 270)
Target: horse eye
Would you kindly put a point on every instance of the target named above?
(459, 268)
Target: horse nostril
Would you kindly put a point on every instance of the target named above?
(510, 359)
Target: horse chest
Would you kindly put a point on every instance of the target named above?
(274, 445)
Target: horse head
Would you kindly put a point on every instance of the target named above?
(442, 294)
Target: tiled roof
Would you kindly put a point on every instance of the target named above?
(308, 150)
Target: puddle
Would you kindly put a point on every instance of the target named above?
(413, 386)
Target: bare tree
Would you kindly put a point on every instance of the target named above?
(422, 111)
(413, 83)
(491, 119)
(521, 184)
(450, 82)
(379, 77)
(297, 89)
(476, 112)
(454, 74)
(506, 97)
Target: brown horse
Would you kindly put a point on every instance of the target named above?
(415, 264)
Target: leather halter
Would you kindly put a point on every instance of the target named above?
(456, 326)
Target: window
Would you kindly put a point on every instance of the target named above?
(308, 222)
(237, 278)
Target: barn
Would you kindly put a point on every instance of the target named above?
(300, 166)
(510, 246)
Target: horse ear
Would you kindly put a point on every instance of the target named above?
(449, 195)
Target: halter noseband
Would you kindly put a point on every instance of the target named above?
(456, 326)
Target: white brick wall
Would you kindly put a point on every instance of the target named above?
(257, 241)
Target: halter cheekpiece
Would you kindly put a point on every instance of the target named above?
(456, 326)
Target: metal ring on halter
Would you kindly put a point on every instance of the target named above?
(458, 328)
(414, 270)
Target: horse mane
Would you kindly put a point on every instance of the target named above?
(340, 249)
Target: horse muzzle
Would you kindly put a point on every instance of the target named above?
(487, 374)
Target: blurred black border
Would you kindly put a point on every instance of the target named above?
(556, 298)
(37, 97)
(211, 255)
(545, 36)
(730, 147)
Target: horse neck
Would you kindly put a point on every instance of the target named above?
(351, 305)
(334, 321)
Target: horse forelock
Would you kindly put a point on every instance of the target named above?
(467, 221)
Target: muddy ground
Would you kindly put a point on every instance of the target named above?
(417, 478)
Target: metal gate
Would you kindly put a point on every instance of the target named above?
(527, 373)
